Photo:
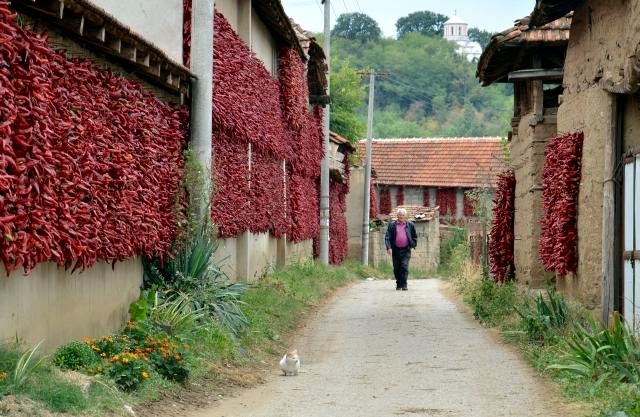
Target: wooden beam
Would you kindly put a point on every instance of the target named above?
(555, 74)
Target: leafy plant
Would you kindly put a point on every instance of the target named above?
(599, 353)
(176, 315)
(544, 317)
(491, 302)
(170, 364)
(74, 356)
(26, 365)
(128, 371)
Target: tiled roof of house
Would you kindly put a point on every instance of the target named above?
(547, 11)
(437, 162)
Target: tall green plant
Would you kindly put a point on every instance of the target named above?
(26, 365)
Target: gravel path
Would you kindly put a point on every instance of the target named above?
(375, 351)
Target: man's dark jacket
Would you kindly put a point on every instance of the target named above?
(390, 236)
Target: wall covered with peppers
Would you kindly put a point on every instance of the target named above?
(501, 250)
(561, 185)
(91, 163)
(446, 200)
(385, 200)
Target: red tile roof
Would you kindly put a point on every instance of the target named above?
(437, 162)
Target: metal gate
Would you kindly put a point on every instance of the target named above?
(631, 225)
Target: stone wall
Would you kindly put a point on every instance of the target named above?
(425, 257)
(527, 155)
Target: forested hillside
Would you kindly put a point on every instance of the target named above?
(431, 91)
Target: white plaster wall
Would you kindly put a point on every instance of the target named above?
(53, 305)
(226, 255)
(157, 21)
(229, 8)
(263, 44)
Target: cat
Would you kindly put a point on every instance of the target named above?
(290, 363)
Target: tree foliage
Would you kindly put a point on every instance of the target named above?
(356, 26)
(481, 36)
(348, 95)
(425, 22)
(432, 91)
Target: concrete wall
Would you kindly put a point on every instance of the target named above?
(527, 155)
(157, 21)
(57, 306)
(413, 196)
(355, 200)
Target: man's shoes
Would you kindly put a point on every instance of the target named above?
(405, 289)
(398, 288)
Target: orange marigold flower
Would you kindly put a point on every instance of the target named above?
(125, 360)
(144, 374)
(178, 357)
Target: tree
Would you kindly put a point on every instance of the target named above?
(425, 22)
(481, 36)
(347, 97)
(356, 26)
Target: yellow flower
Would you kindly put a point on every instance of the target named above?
(99, 369)
(144, 374)
(125, 360)
(3, 375)
(103, 354)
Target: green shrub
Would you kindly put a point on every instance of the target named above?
(75, 356)
(599, 353)
(545, 317)
(128, 371)
(491, 302)
(170, 364)
(447, 247)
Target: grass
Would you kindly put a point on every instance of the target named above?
(274, 307)
(497, 305)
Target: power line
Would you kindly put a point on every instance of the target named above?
(359, 8)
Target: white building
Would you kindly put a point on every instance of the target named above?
(456, 30)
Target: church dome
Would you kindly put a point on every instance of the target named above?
(455, 20)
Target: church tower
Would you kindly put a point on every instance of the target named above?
(457, 30)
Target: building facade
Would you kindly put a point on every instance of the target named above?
(457, 30)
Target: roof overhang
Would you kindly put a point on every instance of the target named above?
(274, 16)
(505, 52)
(549, 10)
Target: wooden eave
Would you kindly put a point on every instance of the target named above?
(274, 16)
(93, 27)
(549, 10)
(507, 50)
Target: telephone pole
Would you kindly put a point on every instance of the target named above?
(324, 169)
(367, 165)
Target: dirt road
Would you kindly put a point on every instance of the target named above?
(375, 351)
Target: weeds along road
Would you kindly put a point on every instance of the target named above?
(375, 351)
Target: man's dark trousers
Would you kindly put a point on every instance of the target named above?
(401, 259)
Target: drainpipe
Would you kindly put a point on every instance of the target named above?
(202, 86)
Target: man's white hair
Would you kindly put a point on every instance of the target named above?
(402, 211)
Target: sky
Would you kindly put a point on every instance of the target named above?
(491, 15)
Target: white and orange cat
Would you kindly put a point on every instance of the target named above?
(290, 363)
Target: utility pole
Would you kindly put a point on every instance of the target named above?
(367, 165)
(202, 88)
(324, 173)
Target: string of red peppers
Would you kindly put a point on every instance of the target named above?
(90, 163)
(501, 258)
(264, 121)
(561, 185)
(400, 196)
(426, 198)
(373, 201)
(468, 206)
(186, 32)
(385, 200)
(446, 200)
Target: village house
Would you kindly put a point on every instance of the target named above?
(266, 154)
(52, 302)
(426, 172)
(530, 58)
(599, 106)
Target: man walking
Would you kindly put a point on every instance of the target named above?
(400, 239)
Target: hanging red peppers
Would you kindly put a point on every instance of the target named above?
(385, 201)
(373, 201)
(400, 196)
(561, 185)
(501, 258)
(90, 164)
(446, 200)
